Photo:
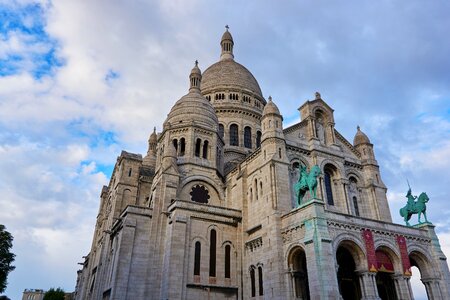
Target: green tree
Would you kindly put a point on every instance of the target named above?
(54, 294)
(6, 257)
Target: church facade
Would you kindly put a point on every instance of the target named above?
(211, 211)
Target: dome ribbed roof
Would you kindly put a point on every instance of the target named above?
(271, 108)
(360, 138)
(228, 73)
(193, 107)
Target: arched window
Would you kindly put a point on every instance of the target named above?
(234, 135)
(260, 188)
(197, 147)
(256, 188)
(355, 204)
(182, 146)
(198, 249)
(260, 278)
(258, 139)
(175, 145)
(227, 261)
(212, 254)
(221, 130)
(252, 280)
(205, 149)
(247, 137)
(328, 188)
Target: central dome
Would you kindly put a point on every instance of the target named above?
(228, 73)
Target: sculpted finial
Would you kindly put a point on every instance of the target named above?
(358, 128)
(318, 95)
(227, 27)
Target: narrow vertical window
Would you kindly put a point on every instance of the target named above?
(221, 130)
(198, 249)
(205, 149)
(129, 172)
(252, 280)
(256, 188)
(247, 137)
(355, 204)
(327, 179)
(212, 254)
(234, 135)
(175, 145)
(258, 139)
(182, 146)
(260, 278)
(227, 261)
(197, 147)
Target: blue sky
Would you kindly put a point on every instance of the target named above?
(82, 80)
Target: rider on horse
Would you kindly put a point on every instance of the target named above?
(411, 198)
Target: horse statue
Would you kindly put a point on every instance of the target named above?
(307, 182)
(415, 207)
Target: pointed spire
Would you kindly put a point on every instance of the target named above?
(227, 45)
(195, 78)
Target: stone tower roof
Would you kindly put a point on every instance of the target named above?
(360, 138)
(271, 108)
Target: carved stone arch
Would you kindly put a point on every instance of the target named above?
(291, 251)
(354, 245)
(252, 266)
(295, 159)
(391, 250)
(219, 233)
(420, 258)
(209, 183)
(198, 238)
(227, 242)
(259, 264)
(353, 173)
(338, 170)
(322, 111)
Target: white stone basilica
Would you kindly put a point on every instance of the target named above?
(211, 213)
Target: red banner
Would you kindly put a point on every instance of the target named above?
(384, 262)
(370, 249)
(401, 241)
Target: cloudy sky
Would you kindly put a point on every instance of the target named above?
(82, 80)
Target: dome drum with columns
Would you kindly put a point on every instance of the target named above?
(211, 211)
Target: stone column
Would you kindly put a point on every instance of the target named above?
(402, 287)
(433, 289)
(368, 285)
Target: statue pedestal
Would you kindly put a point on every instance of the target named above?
(307, 202)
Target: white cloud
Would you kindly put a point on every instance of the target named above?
(56, 133)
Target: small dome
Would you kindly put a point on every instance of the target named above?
(193, 107)
(227, 36)
(196, 69)
(271, 108)
(360, 138)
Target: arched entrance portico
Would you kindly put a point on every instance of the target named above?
(299, 273)
(349, 258)
(384, 278)
(427, 276)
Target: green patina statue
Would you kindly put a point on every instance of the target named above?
(414, 207)
(307, 182)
